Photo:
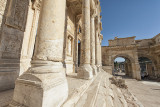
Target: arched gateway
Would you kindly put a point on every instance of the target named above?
(110, 53)
(132, 50)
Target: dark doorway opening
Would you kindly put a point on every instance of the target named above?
(79, 52)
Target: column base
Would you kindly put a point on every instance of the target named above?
(44, 89)
(94, 69)
(85, 71)
(99, 68)
(138, 76)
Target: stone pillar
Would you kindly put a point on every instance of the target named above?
(136, 71)
(93, 45)
(98, 51)
(78, 17)
(126, 68)
(44, 84)
(85, 70)
(98, 46)
(130, 70)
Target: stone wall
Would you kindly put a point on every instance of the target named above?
(14, 33)
(2, 10)
(145, 42)
(70, 44)
(157, 39)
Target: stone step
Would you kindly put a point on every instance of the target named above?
(9, 69)
(3, 61)
(9, 65)
(78, 93)
(102, 95)
(89, 97)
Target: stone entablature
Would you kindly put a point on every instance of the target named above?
(122, 41)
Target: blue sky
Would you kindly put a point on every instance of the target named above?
(125, 18)
(119, 59)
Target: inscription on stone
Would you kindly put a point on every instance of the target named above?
(17, 14)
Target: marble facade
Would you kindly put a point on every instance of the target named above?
(39, 47)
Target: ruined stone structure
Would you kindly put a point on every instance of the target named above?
(132, 50)
(39, 47)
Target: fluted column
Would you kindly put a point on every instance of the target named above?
(85, 70)
(44, 84)
(93, 44)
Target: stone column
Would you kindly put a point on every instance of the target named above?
(136, 71)
(93, 44)
(130, 70)
(78, 17)
(98, 50)
(85, 70)
(44, 84)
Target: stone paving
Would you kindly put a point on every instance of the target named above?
(5, 97)
(147, 92)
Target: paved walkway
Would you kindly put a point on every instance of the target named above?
(5, 97)
(147, 92)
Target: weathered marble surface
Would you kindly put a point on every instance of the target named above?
(85, 70)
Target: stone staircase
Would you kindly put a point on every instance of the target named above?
(99, 92)
(89, 97)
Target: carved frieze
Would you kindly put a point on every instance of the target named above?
(17, 14)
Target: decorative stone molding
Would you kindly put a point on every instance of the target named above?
(37, 4)
(78, 18)
(93, 13)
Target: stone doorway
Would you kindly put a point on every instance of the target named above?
(122, 67)
(147, 67)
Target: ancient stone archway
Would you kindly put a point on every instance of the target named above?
(128, 63)
(151, 65)
(133, 50)
(154, 61)
(129, 51)
(110, 54)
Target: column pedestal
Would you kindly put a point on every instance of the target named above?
(94, 69)
(85, 71)
(41, 87)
